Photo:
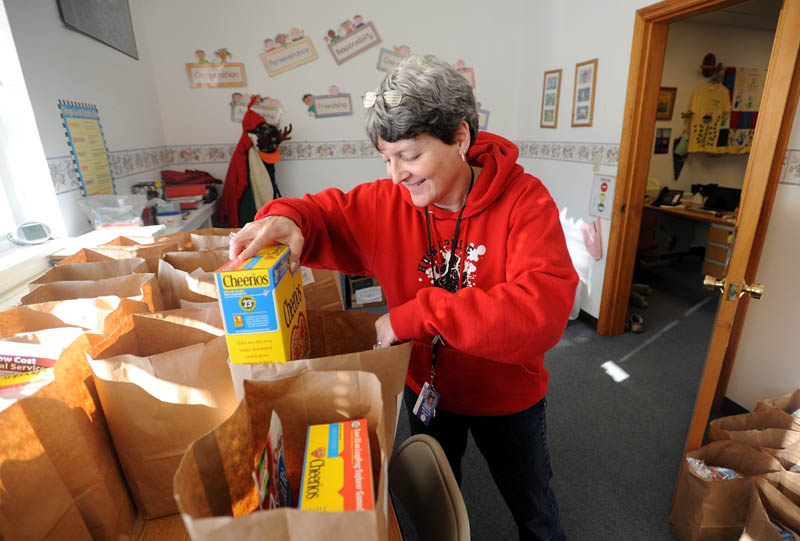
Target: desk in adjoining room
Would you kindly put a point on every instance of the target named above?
(675, 229)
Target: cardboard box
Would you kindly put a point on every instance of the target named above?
(263, 308)
(337, 475)
(365, 291)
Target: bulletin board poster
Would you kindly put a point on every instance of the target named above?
(602, 199)
(88, 145)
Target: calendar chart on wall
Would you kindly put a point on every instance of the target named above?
(88, 146)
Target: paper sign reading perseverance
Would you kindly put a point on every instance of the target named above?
(332, 105)
(289, 56)
(213, 75)
(355, 43)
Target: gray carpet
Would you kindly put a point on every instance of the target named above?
(615, 447)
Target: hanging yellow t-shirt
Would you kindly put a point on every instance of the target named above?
(710, 107)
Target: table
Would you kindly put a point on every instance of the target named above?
(692, 213)
(199, 218)
(690, 225)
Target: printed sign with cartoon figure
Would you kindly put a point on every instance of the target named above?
(205, 74)
(287, 51)
(351, 39)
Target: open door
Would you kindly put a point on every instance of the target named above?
(781, 94)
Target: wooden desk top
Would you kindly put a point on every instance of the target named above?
(692, 214)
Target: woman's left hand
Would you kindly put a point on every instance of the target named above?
(383, 328)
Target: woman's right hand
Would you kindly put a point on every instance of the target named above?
(256, 235)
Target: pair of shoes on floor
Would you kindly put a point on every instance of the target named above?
(635, 322)
(638, 300)
(642, 289)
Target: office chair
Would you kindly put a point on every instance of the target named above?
(421, 479)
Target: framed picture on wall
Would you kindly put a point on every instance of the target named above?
(583, 94)
(551, 90)
(666, 102)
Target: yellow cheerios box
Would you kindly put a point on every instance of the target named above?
(337, 472)
(263, 308)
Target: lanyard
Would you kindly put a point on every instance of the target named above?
(455, 238)
(438, 338)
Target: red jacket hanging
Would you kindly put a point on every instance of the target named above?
(236, 177)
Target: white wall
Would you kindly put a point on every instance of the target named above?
(687, 44)
(59, 63)
(199, 116)
(768, 361)
(560, 38)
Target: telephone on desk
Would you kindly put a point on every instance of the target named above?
(668, 197)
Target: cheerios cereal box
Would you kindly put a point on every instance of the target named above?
(263, 308)
(337, 472)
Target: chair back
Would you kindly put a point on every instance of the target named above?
(421, 479)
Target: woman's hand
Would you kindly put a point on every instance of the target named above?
(383, 328)
(256, 235)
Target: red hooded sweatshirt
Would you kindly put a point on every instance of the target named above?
(517, 279)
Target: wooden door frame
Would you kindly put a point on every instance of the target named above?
(644, 81)
(779, 102)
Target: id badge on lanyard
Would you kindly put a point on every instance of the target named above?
(425, 407)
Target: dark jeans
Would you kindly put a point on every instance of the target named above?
(515, 448)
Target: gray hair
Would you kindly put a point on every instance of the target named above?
(436, 99)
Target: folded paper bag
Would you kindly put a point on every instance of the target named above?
(56, 458)
(163, 381)
(213, 486)
(142, 287)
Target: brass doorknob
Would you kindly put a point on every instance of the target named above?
(711, 282)
(755, 290)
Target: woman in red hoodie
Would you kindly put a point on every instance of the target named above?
(471, 256)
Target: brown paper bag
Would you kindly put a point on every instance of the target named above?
(85, 255)
(27, 360)
(212, 238)
(341, 341)
(56, 457)
(34, 501)
(789, 456)
(163, 382)
(770, 428)
(705, 509)
(103, 313)
(146, 251)
(770, 505)
(142, 287)
(788, 403)
(92, 271)
(190, 276)
(323, 289)
(214, 483)
(203, 239)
